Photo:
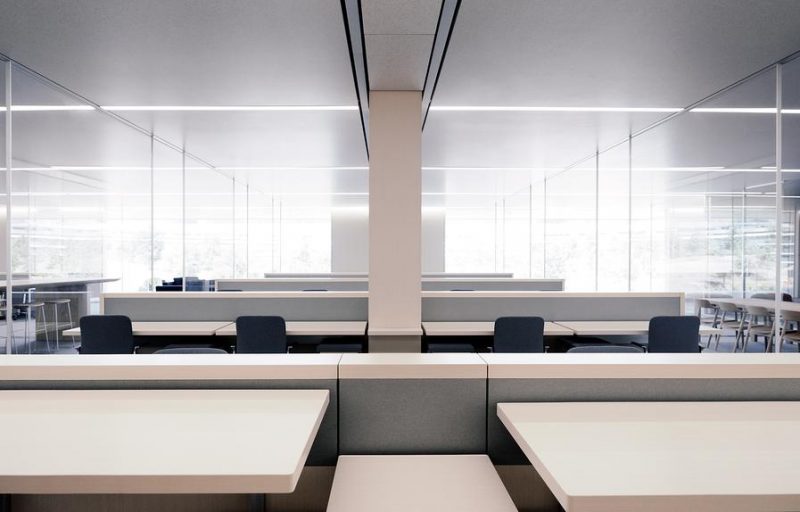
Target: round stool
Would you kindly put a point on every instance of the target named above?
(56, 303)
(29, 308)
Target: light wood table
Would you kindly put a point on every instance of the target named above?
(198, 441)
(620, 328)
(482, 329)
(401, 483)
(167, 329)
(310, 329)
(662, 456)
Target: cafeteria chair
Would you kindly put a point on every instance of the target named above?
(605, 349)
(708, 314)
(29, 307)
(519, 334)
(190, 350)
(757, 322)
(261, 335)
(65, 305)
(724, 321)
(106, 334)
(787, 334)
(673, 334)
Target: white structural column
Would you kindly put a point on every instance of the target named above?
(395, 220)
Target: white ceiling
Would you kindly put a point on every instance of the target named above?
(187, 53)
(609, 53)
(398, 37)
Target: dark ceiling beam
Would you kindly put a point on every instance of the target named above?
(441, 40)
(354, 29)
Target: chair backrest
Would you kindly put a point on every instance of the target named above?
(261, 335)
(674, 334)
(757, 311)
(727, 306)
(106, 334)
(790, 316)
(519, 334)
(190, 350)
(701, 304)
(605, 349)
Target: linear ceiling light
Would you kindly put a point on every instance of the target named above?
(227, 108)
(744, 110)
(462, 108)
(46, 108)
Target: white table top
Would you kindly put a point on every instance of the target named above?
(310, 329)
(619, 328)
(203, 441)
(663, 456)
(482, 329)
(764, 303)
(402, 483)
(167, 329)
(411, 366)
(706, 365)
(169, 367)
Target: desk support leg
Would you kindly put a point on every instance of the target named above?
(256, 503)
(5, 503)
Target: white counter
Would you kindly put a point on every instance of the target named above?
(706, 365)
(69, 367)
(412, 366)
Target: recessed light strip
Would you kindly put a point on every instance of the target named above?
(498, 108)
(227, 108)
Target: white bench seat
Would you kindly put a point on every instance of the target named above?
(390, 483)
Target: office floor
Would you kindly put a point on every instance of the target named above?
(35, 346)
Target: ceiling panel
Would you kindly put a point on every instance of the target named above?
(398, 62)
(185, 52)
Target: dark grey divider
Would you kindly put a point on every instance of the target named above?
(289, 284)
(324, 451)
(361, 284)
(553, 306)
(216, 306)
(504, 450)
(412, 416)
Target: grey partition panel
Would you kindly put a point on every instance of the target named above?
(549, 307)
(324, 451)
(269, 285)
(227, 308)
(412, 416)
(540, 285)
(504, 450)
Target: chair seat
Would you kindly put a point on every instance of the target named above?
(57, 301)
(29, 305)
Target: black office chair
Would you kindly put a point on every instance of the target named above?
(519, 334)
(190, 350)
(106, 334)
(261, 335)
(326, 348)
(605, 349)
(435, 348)
(674, 334)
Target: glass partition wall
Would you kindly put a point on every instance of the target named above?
(101, 204)
(699, 201)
